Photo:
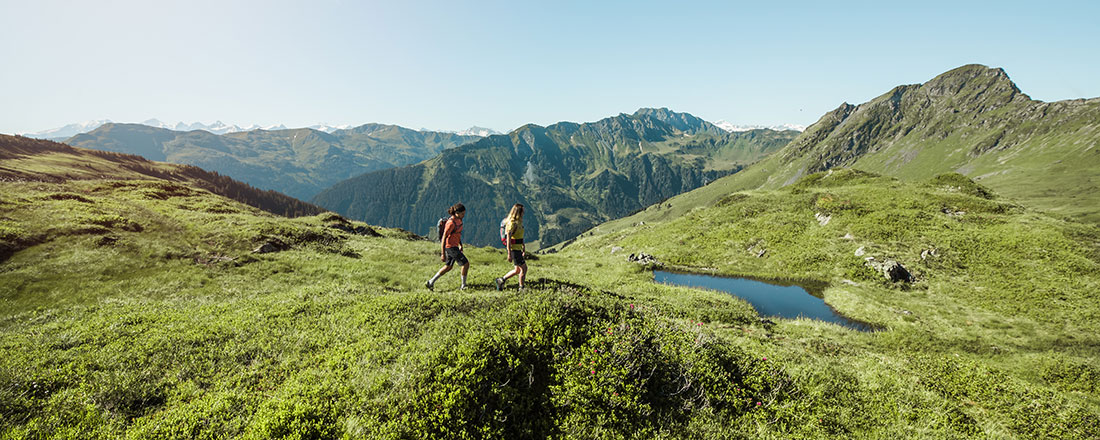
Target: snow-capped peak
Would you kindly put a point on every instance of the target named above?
(472, 131)
(329, 128)
(217, 127)
(478, 131)
(731, 127)
(68, 130)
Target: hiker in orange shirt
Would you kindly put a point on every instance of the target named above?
(451, 246)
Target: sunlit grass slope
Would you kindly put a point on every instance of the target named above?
(138, 309)
(1000, 325)
(26, 159)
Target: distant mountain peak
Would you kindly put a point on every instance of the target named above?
(652, 111)
(68, 130)
(732, 128)
(686, 122)
(478, 131)
(664, 114)
(328, 128)
(472, 131)
(973, 77)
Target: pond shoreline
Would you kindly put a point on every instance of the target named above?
(771, 298)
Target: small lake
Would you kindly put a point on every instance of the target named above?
(773, 300)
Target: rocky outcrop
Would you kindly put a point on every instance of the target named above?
(354, 229)
(891, 270)
(271, 246)
(643, 258)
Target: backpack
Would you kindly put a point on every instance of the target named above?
(442, 225)
(504, 232)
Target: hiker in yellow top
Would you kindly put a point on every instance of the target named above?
(514, 243)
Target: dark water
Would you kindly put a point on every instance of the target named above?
(773, 300)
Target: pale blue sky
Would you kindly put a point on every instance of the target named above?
(500, 64)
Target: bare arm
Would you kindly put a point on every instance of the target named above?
(508, 248)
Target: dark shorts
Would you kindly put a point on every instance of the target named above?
(517, 258)
(454, 255)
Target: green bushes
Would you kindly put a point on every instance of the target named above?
(308, 409)
(113, 221)
(839, 177)
(644, 379)
(579, 366)
(1024, 411)
(960, 183)
(10, 231)
(1071, 375)
(321, 364)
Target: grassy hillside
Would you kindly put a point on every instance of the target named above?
(298, 162)
(570, 176)
(999, 328)
(972, 120)
(144, 316)
(25, 159)
(135, 311)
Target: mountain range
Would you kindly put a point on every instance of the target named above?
(570, 176)
(218, 127)
(972, 120)
(297, 162)
(475, 131)
(154, 309)
(67, 131)
(729, 126)
(142, 300)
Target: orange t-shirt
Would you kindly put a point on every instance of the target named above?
(453, 232)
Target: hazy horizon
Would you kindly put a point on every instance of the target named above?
(448, 66)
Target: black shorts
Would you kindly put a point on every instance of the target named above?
(454, 255)
(517, 258)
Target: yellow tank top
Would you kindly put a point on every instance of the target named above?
(517, 234)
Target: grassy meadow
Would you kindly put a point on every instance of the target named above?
(138, 309)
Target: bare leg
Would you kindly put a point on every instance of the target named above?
(431, 283)
(522, 275)
(514, 272)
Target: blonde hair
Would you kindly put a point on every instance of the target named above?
(516, 215)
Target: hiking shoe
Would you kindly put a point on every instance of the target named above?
(500, 283)
(429, 285)
(462, 287)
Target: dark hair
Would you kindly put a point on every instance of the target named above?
(457, 208)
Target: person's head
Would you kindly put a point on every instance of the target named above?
(458, 210)
(516, 215)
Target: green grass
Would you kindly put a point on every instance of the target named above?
(137, 309)
(1009, 290)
